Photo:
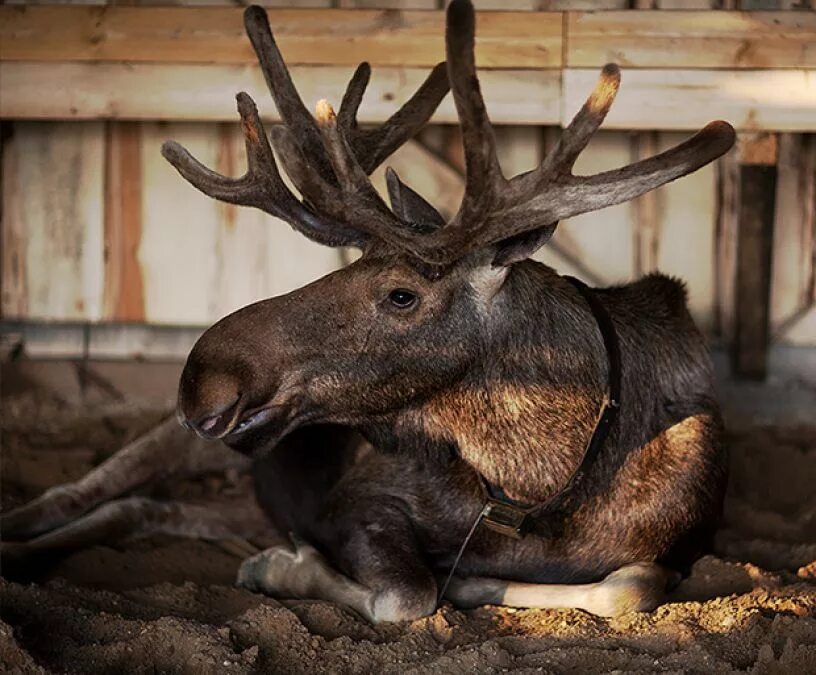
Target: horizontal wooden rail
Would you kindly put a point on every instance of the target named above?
(206, 93)
(685, 39)
(410, 38)
(305, 36)
(681, 68)
(781, 100)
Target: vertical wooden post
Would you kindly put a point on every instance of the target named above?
(646, 228)
(757, 190)
(124, 295)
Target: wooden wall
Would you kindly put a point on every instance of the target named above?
(106, 244)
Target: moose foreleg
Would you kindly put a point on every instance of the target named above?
(389, 592)
(639, 587)
(302, 572)
(134, 517)
(155, 454)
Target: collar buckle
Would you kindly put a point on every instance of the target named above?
(507, 519)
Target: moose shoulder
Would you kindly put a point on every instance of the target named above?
(379, 401)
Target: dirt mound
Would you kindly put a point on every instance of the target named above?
(168, 605)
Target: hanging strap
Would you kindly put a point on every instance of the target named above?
(514, 519)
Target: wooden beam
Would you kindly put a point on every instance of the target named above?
(670, 100)
(778, 100)
(689, 39)
(793, 287)
(124, 295)
(53, 222)
(305, 36)
(645, 39)
(206, 92)
(754, 253)
(646, 228)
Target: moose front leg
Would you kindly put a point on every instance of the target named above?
(300, 571)
(391, 581)
(639, 587)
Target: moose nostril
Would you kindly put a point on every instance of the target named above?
(216, 423)
(209, 422)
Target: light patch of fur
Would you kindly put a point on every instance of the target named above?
(304, 573)
(491, 428)
(486, 282)
(633, 588)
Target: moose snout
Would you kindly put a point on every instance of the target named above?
(209, 404)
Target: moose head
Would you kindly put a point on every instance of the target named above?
(431, 307)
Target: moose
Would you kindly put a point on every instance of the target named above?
(443, 401)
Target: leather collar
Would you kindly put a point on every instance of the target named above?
(513, 518)
(509, 517)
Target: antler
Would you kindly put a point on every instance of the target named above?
(329, 160)
(262, 185)
(495, 209)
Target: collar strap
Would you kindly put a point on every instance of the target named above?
(509, 517)
(514, 519)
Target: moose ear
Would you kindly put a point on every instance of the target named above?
(522, 246)
(410, 206)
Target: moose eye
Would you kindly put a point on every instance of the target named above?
(402, 298)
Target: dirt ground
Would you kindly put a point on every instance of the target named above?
(168, 605)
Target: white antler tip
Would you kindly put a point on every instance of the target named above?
(324, 112)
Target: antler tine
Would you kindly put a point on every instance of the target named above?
(261, 186)
(569, 195)
(373, 146)
(585, 123)
(347, 115)
(410, 206)
(351, 175)
(483, 174)
(355, 197)
(293, 112)
(620, 185)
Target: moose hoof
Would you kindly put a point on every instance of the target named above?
(640, 587)
(283, 572)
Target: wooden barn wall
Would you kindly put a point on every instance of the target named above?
(104, 243)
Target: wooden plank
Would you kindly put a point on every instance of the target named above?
(211, 258)
(134, 341)
(802, 331)
(601, 241)
(645, 210)
(781, 100)
(54, 196)
(649, 99)
(50, 340)
(660, 100)
(726, 170)
(124, 295)
(757, 148)
(685, 228)
(792, 286)
(305, 36)
(756, 212)
(13, 291)
(389, 4)
(692, 39)
(206, 93)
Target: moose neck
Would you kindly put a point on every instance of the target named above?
(523, 417)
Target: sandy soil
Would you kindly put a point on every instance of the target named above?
(167, 605)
